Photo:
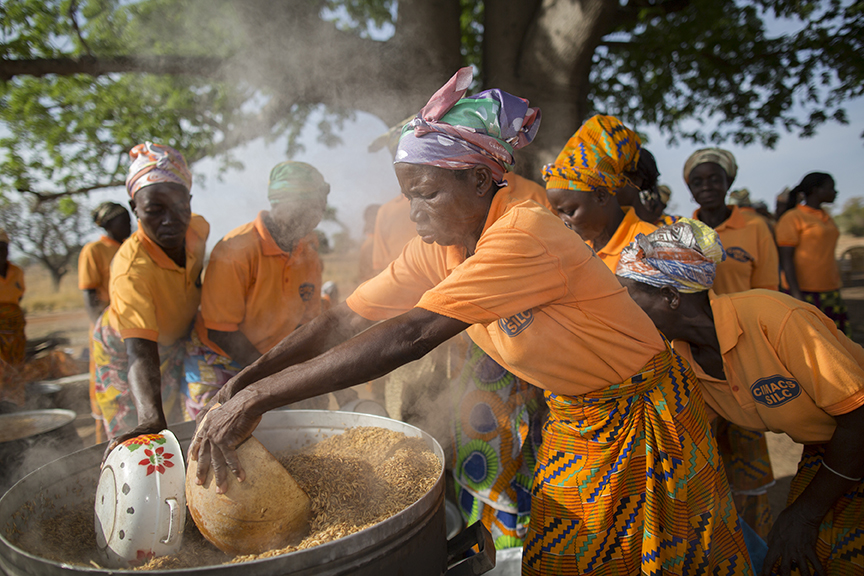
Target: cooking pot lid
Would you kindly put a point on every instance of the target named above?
(19, 425)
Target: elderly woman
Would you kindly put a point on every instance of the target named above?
(625, 479)
(806, 239)
(751, 263)
(767, 361)
(94, 273)
(582, 183)
(263, 281)
(12, 341)
(155, 290)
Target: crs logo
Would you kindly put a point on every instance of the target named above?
(739, 254)
(515, 324)
(307, 291)
(775, 390)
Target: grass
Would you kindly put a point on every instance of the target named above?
(40, 297)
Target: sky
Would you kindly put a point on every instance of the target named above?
(359, 178)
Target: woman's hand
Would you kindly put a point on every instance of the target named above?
(792, 542)
(142, 428)
(219, 433)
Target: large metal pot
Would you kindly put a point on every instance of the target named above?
(411, 542)
(30, 439)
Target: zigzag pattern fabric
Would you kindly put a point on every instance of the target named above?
(840, 545)
(629, 482)
(595, 157)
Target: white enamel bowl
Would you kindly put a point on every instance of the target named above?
(140, 507)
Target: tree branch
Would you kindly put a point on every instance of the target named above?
(99, 66)
(49, 196)
(73, 7)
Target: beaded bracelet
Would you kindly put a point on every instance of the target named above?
(825, 465)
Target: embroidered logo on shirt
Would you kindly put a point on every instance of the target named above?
(775, 390)
(739, 254)
(307, 290)
(516, 323)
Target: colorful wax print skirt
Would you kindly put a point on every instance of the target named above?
(832, 305)
(95, 409)
(840, 546)
(13, 345)
(206, 372)
(112, 379)
(748, 469)
(495, 437)
(629, 481)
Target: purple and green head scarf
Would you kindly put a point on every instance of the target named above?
(457, 133)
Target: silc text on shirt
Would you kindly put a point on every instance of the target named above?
(775, 390)
(516, 323)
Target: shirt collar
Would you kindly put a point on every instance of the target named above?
(735, 220)
(268, 244)
(818, 212)
(108, 240)
(158, 255)
(725, 321)
(618, 241)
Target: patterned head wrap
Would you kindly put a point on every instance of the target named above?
(458, 133)
(596, 156)
(296, 181)
(155, 163)
(107, 211)
(683, 255)
(716, 155)
(664, 192)
(740, 197)
(4, 237)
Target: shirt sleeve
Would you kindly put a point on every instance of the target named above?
(89, 276)
(512, 271)
(225, 290)
(826, 364)
(766, 273)
(134, 307)
(400, 286)
(786, 232)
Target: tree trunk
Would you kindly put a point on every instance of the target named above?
(56, 278)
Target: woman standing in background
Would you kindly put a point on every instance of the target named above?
(751, 263)
(806, 239)
(13, 344)
(94, 274)
(155, 289)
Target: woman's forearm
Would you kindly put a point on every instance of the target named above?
(310, 340)
(145, 382)
(377, 351)
(236, 345)
(844, 456)
(787, 263)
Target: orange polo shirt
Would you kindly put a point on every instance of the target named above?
(788, 369)
(813, 234)
(632, 225)
(151, 297)
(751, 255)
(12, 286)
(253, 286)
(94, 266)
(394, 228)
(539, 301)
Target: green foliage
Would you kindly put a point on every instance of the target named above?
(851, 218)
(714, 61)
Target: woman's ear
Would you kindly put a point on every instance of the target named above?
(671, 296)
(132, 204)
(601, 196)
(484, 181)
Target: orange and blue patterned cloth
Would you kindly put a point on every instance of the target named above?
(596, 157)
(629, 481)
(13, 346)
